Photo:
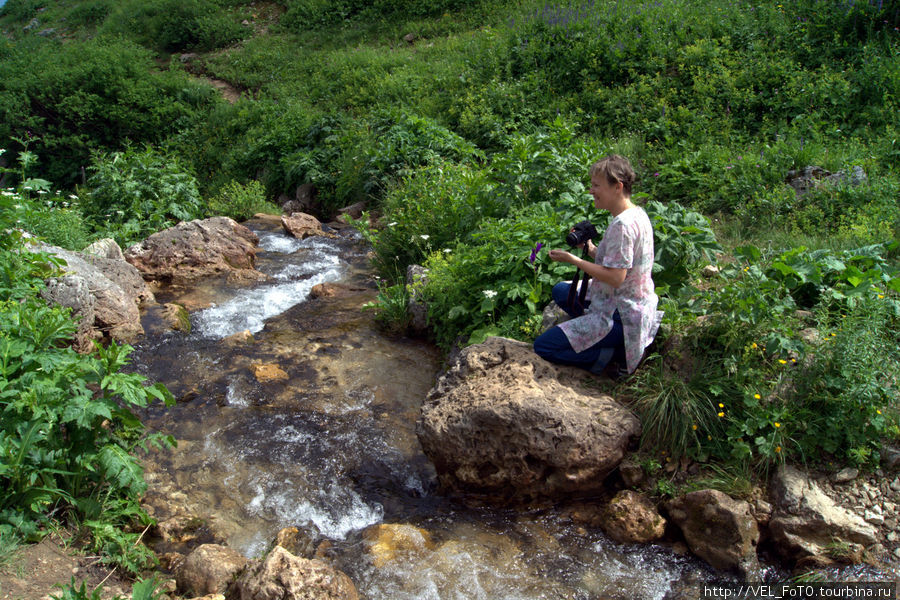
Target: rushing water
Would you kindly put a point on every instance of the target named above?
(331, 441)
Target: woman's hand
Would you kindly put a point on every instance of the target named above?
(563, 256)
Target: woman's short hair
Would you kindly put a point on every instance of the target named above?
(615, 168)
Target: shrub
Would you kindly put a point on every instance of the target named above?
(86, 96)
(67, 429)
(175, 25)
(136, 193)
(240, 202)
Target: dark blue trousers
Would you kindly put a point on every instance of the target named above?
(553, 345)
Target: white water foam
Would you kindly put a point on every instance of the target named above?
(250, 309)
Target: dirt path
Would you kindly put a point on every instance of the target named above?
(38, 571)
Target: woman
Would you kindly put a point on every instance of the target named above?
(620, 319)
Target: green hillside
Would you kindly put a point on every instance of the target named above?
(467, 127)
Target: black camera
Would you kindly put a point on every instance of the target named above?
(581, 233)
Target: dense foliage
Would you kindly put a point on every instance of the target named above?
(67, 430)
(467, 128)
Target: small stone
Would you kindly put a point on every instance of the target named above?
(892, 536)
(845, 475)
(897, 552)
(877, 509)
(895, 485)
(710, 271)
(889, 507)
(873, 518)
(890, 524)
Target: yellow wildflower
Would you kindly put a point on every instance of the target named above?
(782, 361)
(709, 437)
(880, 296)
(777, 448)
(753, 345)
(757, 396)
(878, 411)
(721, 414)
(721, 405)
(694, 427)
(777, 424)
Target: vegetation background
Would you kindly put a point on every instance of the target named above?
(466, 127)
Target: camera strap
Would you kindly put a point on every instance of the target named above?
(582, 291)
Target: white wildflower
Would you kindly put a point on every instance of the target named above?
(392, 223)
(73, 197)
(448, 250)
(489, 293)
(424, 237)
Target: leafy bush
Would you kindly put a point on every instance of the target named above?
(782, 382)
(87, 96)
(313, 14)
(175, 25)
(240, 202)
(66, 423)
(136, 193)
(682, 238)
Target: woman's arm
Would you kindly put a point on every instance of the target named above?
(611, 276)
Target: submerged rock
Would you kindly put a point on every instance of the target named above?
(500, 423)
(390, 542)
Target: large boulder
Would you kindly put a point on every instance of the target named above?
(718, 529)
(116, 288)
(503, 423)
(196, 249)
(283, 576)
(806, 522)
(209, 569)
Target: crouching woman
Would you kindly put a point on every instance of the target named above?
(619, 317)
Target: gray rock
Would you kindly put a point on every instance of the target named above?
(105, 248)
(890, 458)
(806, 522)
(718, 529)
(72, 291)
(876, 519)
(895, 485)
(845, 475)
(509, 426)
(552, 315)
(116, 287)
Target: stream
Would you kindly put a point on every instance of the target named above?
(312, 419)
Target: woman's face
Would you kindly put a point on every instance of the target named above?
(604, 193)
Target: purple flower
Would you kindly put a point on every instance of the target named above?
(656, 174)
(534, 252)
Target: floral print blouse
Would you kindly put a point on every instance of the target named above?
(627, 244)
